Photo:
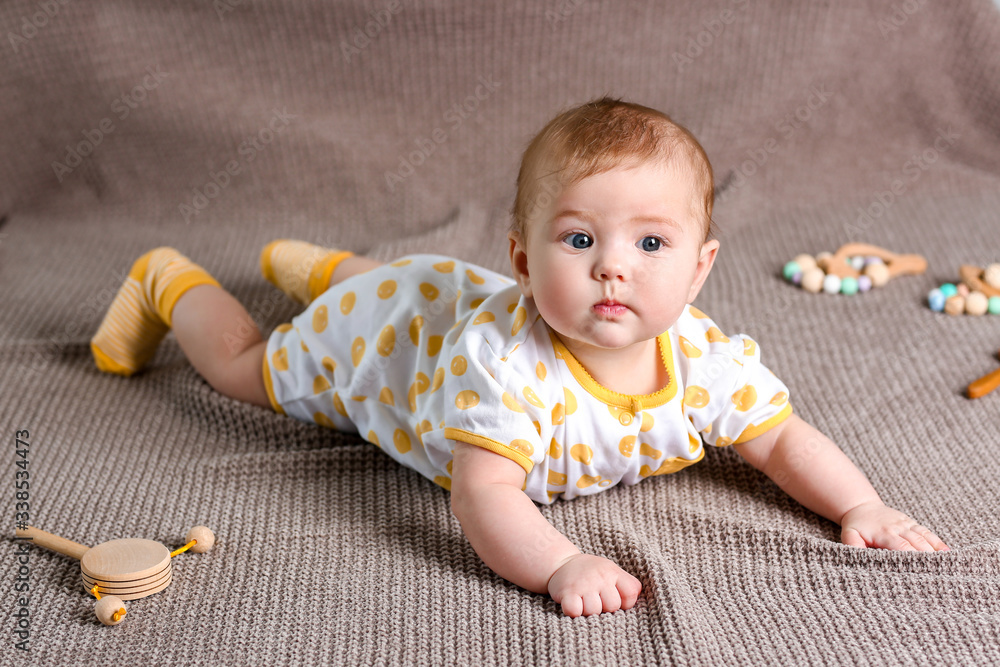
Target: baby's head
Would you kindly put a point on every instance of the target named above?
(599, 136)
(611, 225)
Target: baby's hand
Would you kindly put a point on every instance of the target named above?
(586, 585)
(875, 525)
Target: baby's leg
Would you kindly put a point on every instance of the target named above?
(303, 270)
(211, 327)
(352, 266)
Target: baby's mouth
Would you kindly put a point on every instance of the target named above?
(610, 309)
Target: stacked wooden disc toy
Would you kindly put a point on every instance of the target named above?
(977, 293)
(854, 268)
(121, 570)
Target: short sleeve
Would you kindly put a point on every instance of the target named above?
(730, 396)
(488, 404)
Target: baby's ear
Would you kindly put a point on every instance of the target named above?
(709, 249)
(519, 262)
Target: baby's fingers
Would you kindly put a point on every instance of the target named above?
(611, 601)
(933, 541)
(572, 605)
(628, 590)
(852, 538)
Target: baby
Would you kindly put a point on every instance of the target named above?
(588, 370)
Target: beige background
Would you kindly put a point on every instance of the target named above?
(825, 123)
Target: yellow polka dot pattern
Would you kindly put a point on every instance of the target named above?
(320, 319)
(357, 350)
(511, 403)
(437, 380)
(434, 345)
(535, 411)
(386, 396)
(416, 324)
(320, 384)
(429, 291)
(386, 289)
(466, 399)
(347, 303)
(386, 341)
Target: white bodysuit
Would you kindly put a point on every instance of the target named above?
(428, 350)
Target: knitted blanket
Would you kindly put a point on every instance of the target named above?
(396, 126)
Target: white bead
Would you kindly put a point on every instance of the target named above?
(831, 284)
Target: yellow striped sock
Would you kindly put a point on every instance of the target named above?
(140, 315)
(299, 269)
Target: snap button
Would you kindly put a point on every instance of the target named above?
(625, 418)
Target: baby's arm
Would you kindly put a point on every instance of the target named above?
(515, 541)
(813, 470)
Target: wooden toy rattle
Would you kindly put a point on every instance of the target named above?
(119, 570)
(855, 267)
(977, 293)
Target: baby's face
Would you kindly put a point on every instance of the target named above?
(615, 259)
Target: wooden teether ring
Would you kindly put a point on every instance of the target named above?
(972, 276)
(898, 265)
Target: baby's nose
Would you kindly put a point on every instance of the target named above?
(611, 265)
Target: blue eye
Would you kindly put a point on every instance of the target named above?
(650, 244)
(579, 241)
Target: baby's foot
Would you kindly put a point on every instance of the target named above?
(139, 316)
(299, 269)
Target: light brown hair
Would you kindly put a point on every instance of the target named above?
(601, 135)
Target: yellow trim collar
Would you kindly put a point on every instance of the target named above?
(635, 403)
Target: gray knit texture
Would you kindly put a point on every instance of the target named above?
(826, 122)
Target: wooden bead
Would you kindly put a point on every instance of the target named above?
(812, 280)
(204, 536)
(955, 305)
(992, 276)
(107, 607)
(879, 274)
(963, 289)
(805, 262)
(976, 303)
(823, 259)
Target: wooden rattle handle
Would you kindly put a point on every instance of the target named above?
(984, 385)
(897, 264)
(912, 265)
(54, 542)
(971, 277)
